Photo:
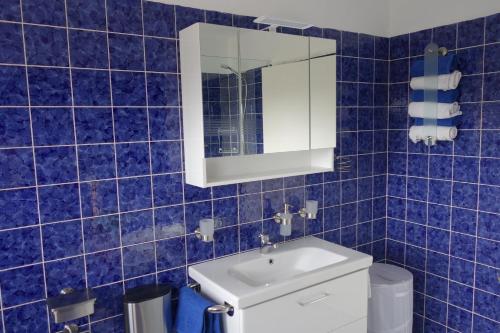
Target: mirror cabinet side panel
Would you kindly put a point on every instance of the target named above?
(192, 105)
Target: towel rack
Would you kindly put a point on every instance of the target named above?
(225, 308)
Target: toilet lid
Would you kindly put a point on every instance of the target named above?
(385, 274)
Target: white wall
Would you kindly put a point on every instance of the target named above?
(376, 17)
(414, 15)
(339, 14)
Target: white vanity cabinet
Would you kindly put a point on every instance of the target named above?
(256, 104)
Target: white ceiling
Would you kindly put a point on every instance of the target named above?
(377, 17)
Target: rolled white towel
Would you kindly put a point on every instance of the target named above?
(442, 133)
(444, 110)
(445, 82)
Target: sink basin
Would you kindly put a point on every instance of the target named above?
(250, 278)
(285, 265)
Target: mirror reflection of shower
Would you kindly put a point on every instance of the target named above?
(242, 105)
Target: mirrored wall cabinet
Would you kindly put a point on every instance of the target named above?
(256, 104)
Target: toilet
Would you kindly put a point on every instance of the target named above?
(390, 307)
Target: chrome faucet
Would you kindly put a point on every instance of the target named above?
(266, 245)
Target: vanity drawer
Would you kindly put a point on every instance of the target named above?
(322, 308)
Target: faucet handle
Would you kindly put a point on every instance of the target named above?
(264, 239)
(287, 208)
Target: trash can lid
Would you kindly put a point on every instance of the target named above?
(385, 274)
(146, 293)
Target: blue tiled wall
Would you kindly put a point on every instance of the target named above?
(91, 182)
(443, 204)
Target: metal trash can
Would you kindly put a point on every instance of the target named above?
(390, 308)
(148, 309)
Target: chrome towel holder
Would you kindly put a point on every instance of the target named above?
(225, 308)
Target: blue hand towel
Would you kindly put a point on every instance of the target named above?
(192, 316)
(449, 122)
(449, 96)
(446, 65)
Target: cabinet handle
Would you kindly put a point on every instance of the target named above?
(314, 299)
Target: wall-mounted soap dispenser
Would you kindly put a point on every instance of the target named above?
(205, 232)
(310, 211)
(285, 221)
(70, 305)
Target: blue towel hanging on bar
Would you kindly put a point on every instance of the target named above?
(448, 96)
(446, 65)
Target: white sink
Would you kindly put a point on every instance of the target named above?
(250, 278)
(284, 265)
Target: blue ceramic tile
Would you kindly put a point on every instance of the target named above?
(10, 10)
(171, 253)
(101, 233)
(89, 49)
(13, 87)
(349, 69)
(18, 208)
(418, 41)
(55, 165)
(471, 118)
(491, 83)
(247, 22)
(446, 36)
(440, 191)
(94, 125)
(294, 181)
(137, 227)
(109, 325)
(459, 319)
(187, 16)
(486, 279)
(312, 31)
(272, 203)
(437, 263)
(415, 234)
(417, 188)
(198, 251)
(464, 220)
(381, 71)
(128, 89)
(46, 46)
(250, 187)
(226, 241)
(224, 191)
(195, 193)
(50, 12)
(52, 126)
(131, 124)
(195, 212)
(132, 159)
(16, 167)
(482, 324)
(22, 285)
(134, 193)
(489, 226)
(58, 203)
(49, 86)
(493, 28)
(438, 240)
(465, 195)
(395, 251)
(349, 44)
(461, 296)
(225, 212)
(399, 71)
(489, 143)
(470, 89)
(169, 222)
(161, 55)
(19, 247)
(99, 198)
(436, 287)
(162, 89)
(159, 19)
(138, 260)
(164, 124)
(166, 157)
(396, 230)
(434, 310)
(397, 140)
(398, 94)
(88, 14)
(462, 271)
(219, 18)
(250, 208)
(14, 127)
(91, 88)
(381, 48)
(96, 162)
(104, 267)
(491, 119)
(174, 277)
(439, 216)
(415, 257)
(349, 94)
(249, 235)
(470, 60)
(471, 32)
(349, 214)
(463, 246)
(465, 169)
(380, 92)
(62, 240)
(399, 46)
(365, 93)
(11, 42)
(366, 46)
(167, 189)
(486, 304)
(467, 144)
(126, 52)
(490, 171)
(63, 273)
(25, 318)
(125, 16)
(488, 199)
(109, 301)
